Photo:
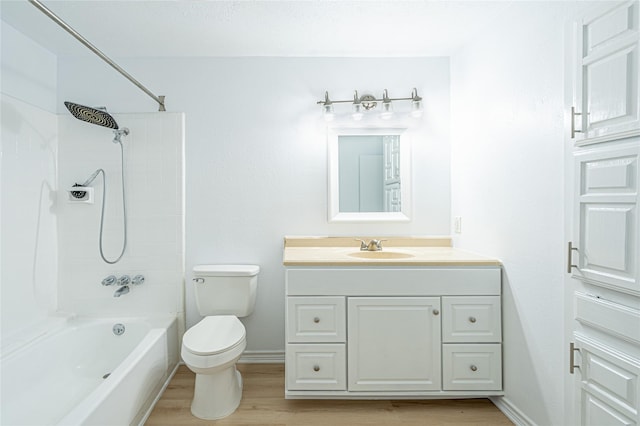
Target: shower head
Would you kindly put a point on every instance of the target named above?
(91, 115)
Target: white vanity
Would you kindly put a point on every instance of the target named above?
(418, 319)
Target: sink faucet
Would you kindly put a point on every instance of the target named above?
(121, 290)
(373, 245)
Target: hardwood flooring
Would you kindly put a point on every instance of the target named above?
(263, 403)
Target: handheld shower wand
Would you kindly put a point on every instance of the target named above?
(92, 177)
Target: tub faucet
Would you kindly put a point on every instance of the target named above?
(121, 290)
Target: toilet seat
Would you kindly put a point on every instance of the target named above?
(214, 335)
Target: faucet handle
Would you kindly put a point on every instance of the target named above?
(110, 280)
(137, 280)
(124, 280)
(363, 245)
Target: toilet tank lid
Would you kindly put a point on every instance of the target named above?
(226, 270)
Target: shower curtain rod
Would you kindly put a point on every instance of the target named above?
(67, 28)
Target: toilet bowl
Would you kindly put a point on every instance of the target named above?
(212, 347)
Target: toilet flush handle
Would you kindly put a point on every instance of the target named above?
(198, 280)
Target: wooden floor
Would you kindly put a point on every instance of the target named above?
(263, 403)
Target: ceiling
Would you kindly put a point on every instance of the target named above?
(168, 28)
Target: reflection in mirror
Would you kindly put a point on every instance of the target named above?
(368, 175)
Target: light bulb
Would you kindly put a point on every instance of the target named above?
(416, 108)
(387, 111)
(357, 112)
(328, 112)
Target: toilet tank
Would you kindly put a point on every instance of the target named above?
(225, 289)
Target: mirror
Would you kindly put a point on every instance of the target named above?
(369, 175)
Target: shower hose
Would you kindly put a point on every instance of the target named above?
(124, 210)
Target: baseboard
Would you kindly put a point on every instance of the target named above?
(262, 357)
(511, 411)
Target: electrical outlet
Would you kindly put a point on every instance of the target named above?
(457, 224)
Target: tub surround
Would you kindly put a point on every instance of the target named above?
(397, 251)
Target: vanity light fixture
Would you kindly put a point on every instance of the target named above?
(387, 108)
(327, 107)
(360, 105)
(416, 104)
(357, 107)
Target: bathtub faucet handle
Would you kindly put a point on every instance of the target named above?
(110, 280)
(137, 280)
(124, 280)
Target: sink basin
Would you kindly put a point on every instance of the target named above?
(380, 255)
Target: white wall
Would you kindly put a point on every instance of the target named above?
(256, 153)
(28, 185)
(50, 260)
(508, 186)
(153, 158)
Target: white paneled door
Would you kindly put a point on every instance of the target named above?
(603, 257)
(606, 104)
(606, 217)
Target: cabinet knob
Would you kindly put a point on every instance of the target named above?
(316, 368)
(472, 319)
(473, 367)
(436, 312)
(316, 320)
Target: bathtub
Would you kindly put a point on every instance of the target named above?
(82, 373)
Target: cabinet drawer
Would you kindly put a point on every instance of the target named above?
(472, 367)
(316, 319)
(316, 367)
(471, 319)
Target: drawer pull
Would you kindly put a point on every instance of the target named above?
(316, 320)
(436, 312)
(316, 368)
(472, 319)
(473, 367)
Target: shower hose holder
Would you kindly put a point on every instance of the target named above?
(80, 194)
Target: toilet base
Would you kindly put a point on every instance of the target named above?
(217, 395)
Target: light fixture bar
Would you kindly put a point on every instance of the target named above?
(414, 97)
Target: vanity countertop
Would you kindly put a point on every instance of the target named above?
(397, 251)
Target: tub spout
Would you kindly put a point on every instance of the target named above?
(122, 290)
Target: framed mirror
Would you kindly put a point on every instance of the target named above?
(369, 175)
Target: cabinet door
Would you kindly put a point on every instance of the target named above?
(394, 343)
(609, 384)
(606, 80)
(606, 217)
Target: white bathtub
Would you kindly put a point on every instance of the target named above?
(84, 374)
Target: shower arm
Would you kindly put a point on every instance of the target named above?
(74, 33)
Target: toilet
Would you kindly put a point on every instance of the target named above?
(212, 347)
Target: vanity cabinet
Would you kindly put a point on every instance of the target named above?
(397, 332)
